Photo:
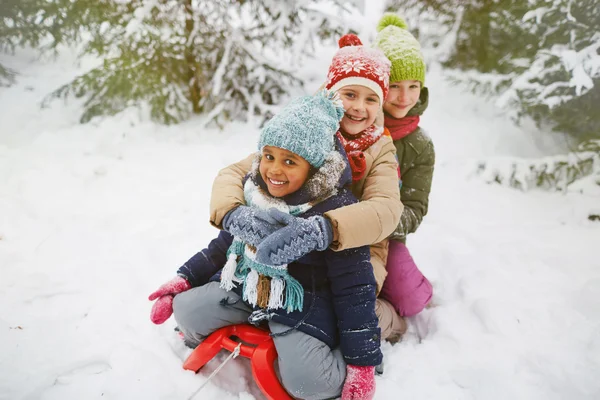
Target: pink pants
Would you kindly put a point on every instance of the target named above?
(405, 286)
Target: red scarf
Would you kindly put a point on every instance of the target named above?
(401, 127)
(355, 145)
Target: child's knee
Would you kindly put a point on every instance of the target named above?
(391, 324)
(187, 310)
(309, 368)
(202, 310)
(194, 307)
(306, 383)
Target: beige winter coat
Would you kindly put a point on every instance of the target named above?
(368, 222)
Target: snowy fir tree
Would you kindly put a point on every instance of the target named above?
(430, 21)
(536, 58)
(227, 59)
(578, 171)
(35, 23)
(562, 81)
(44, 25)
(539, 58)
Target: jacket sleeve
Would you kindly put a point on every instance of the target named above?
(416, 186)
(202, 266)
(228, 191)
(377, 214)
(353, 287)
(379, 253)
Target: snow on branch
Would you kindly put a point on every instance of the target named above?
(7, 76)
(227, 60)
(536, 58)
(576, 171)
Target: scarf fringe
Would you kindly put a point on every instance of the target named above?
(294, 295)
(264, 290)
(251, 287)
(272, 297)
(264, 286)
(276, 297)
(228, 274)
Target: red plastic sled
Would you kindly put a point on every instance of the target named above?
(261, 353)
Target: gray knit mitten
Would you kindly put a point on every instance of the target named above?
(299, 237)
(249, 224)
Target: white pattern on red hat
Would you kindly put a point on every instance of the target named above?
(355, 64)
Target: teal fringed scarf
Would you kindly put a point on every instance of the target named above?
(265, 286)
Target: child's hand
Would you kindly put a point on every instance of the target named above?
(174, 286)
(163, 307)
(299, 237)
(249, 224)
(359, 384)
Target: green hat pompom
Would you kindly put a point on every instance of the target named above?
(391, 19)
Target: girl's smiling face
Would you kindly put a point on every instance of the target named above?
(284, 172)
(361, 105)
(402, 96)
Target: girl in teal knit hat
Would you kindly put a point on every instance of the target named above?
(405, 286)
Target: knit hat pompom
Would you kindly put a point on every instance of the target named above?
(393, 20)
(401, 48)
(349, 40)
(306, 127)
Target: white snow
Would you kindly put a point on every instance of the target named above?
(95, 217)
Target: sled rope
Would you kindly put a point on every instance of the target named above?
(236, 352)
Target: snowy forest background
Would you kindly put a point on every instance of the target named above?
(238, 60)
(117, 115)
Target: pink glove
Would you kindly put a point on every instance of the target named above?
(163, 307)
(359, 384)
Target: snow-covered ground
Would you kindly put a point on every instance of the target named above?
(94, 217)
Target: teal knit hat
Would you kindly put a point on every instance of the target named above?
(401, 48)
(306, 127)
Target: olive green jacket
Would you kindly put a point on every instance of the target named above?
(416, 157)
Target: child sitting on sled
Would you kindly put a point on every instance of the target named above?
(320, 309)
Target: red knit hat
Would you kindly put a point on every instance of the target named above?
(355, 64)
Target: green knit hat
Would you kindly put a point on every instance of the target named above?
(401, 48)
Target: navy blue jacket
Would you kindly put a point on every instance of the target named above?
(339, 298)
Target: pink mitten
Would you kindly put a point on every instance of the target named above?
(174, 286)
(359, 384)
(163, 307)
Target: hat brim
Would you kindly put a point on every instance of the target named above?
(359, 81)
